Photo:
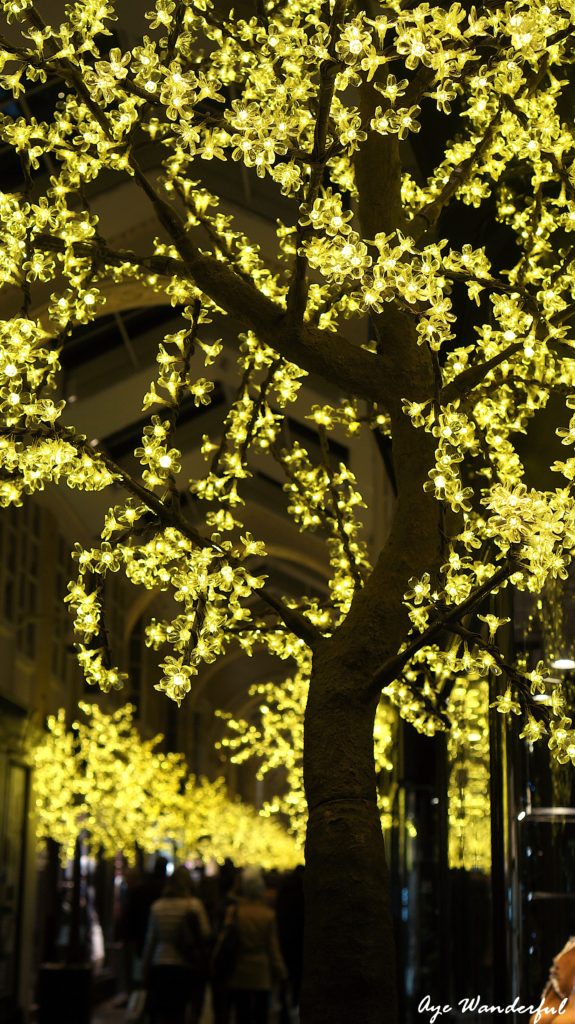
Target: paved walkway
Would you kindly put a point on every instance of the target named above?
(111, 1013)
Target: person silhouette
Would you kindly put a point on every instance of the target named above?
(259, 965)
(173, 987)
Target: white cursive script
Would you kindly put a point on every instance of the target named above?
(426, 1006)
(475, 1005)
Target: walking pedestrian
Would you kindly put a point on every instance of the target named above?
(259, 965)
(175, 953)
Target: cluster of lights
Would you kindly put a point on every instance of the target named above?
(214, 826)
(98, 778)
(276, 743)
(292, 76)
(468, 792)
(101, 780)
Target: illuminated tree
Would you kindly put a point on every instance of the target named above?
(213, 825)
(430, 341)
(276, 741)
(101, 781)
(98, 785)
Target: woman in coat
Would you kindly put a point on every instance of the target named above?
(259, 965)
(173, 983)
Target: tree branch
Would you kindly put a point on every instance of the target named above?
(427, 216)
(170, 515)
(298, 290)
(476, 640)
(331, 356)
(466, 381)
(391, 668)
(475, 375)
(354, 370)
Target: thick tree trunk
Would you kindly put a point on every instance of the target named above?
(349, 966)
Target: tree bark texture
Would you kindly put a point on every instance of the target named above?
(349, 961)
(349, 957)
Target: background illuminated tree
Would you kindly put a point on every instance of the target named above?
(97, 780)
(99, 787)
(430, 342)
(212, 825)
(276, 742)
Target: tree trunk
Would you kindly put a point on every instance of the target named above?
(349, 964)
(51, 901)
(76, 951)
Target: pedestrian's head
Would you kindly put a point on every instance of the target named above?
(180, 884)
(253, 884)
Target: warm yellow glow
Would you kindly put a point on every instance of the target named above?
(276, 743)
(468, 791)
(101, 780)
(278, 93)
(213, 825)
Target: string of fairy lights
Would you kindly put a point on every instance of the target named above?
(276, 742)
(97, 780)
(277, 95)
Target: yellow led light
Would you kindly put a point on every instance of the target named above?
(281, 100)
